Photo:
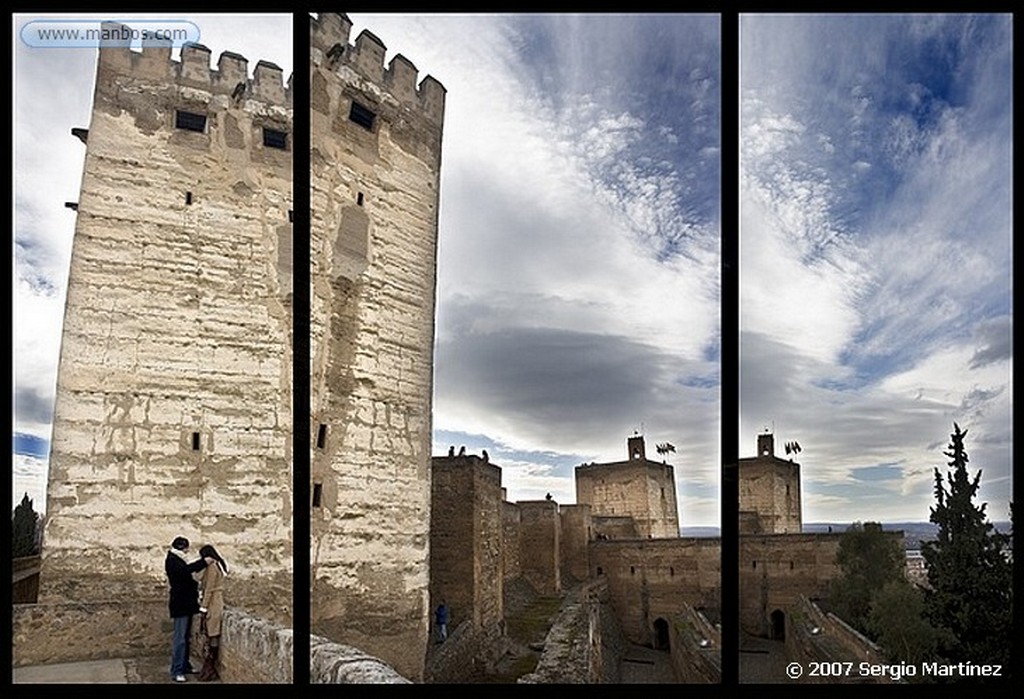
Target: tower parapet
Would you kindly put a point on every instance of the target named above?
(329, 48)
(154, 63)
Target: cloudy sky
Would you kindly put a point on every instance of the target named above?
(52, 93)
(578, 286)
(876, 253)
(578, 262)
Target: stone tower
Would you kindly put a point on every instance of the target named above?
(637, 488)
(769, 492)
(375, 177)
(466, 540)
(173, 407)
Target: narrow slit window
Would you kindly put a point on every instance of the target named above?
(755, 565)
(272, 138)
(632, 570)
(195, 441)
(359, 199)
(671, 571)
(318, 490)
(362, 116)
(188, 198)
(321, 437)
(291, 215)
(190, 121)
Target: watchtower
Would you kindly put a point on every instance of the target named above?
(375, 159)
(173, 405)
(769, 491)
(637, 489)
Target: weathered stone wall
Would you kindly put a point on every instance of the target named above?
(652, 578)
(639, 488)
(614, 528)
(333, 663)
(467, 655)
(813, 636)
(65, 632)
(577, 530)
(777, 569)
(173, 405)
(253, 650)
(696, 646)
(374, 209)
(539, 539)
(510, 536)
(466, 539)
(574, 648)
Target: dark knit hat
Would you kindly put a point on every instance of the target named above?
(180, 543)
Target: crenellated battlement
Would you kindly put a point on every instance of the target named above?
(330, 50)
(230, 77)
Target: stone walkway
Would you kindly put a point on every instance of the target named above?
(642, 665)
(148, 670)
(762, 661)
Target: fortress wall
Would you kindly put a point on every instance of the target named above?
(577, 530)
(466, 539)
(833, 641)
(539, 545)
(452, 542)
(575, 645)
(95, 630)
(173, 403)
(652, 578)
(374, 208)
(696, 648)
(776, 570)
(253, 650)
(614, 527)
(489, 605)
(661, 498)
(511, 566)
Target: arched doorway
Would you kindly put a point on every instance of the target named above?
(661, 641)
(778, 625)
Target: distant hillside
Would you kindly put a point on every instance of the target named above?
(913, 532)
(699, 531)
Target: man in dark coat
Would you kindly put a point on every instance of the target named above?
(441, 620)
(184, 603)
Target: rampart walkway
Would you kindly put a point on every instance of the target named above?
(148, 670)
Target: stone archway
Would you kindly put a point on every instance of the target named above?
(778, 619)
(661, 637)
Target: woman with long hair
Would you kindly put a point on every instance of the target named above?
(212, 608)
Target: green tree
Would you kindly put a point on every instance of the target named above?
(898, 622)
(969, 570)
(868, 559)
(24, 526)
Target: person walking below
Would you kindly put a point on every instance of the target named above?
(212, 609)
(183, 603)
(441, 620)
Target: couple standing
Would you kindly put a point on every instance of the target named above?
(185, 603)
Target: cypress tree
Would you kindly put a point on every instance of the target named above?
(969, 572)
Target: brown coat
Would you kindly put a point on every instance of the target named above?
(212, 585)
